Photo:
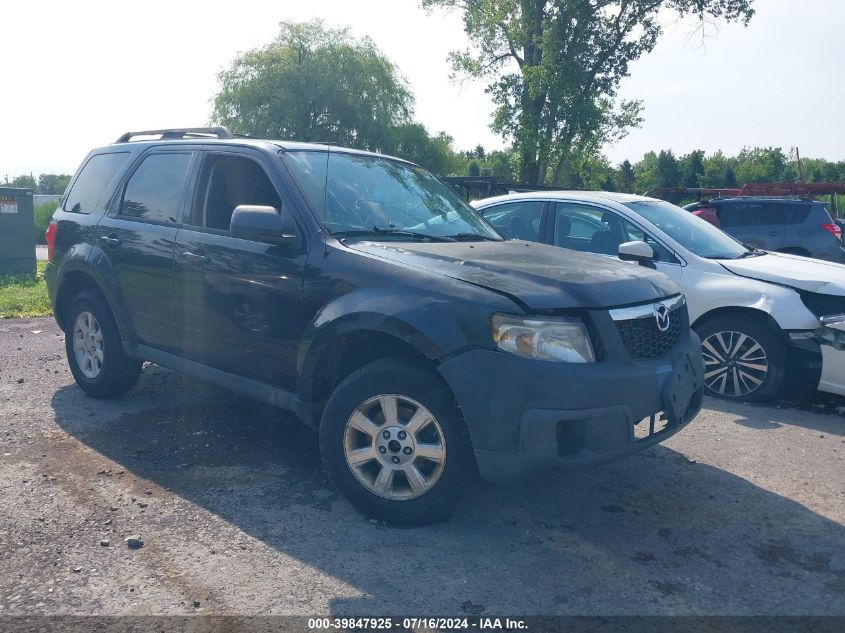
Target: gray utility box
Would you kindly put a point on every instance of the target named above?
(17, 232)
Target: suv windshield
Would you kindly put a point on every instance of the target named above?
(697, 235)
(356, 195)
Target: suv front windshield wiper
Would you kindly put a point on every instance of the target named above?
(378, 230)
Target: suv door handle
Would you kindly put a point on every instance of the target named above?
(195, 259)
(112, 241)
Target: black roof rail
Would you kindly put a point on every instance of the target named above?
(179, 133)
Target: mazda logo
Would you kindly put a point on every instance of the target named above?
(661, 315)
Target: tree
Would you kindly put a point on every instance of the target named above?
(668, 174)
(692, 168)
(413, 142)
(554, 68)
(718, 172)
(626, 176)
(645, 173)
(314, 84)
(24, 181)
(760, 164)
(500, 164)
(53, 184)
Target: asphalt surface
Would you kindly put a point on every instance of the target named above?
(743, 512)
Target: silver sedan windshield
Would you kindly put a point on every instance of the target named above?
(697, 235)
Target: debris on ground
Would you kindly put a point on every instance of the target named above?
(134, 542)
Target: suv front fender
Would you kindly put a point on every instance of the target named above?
(434, 326)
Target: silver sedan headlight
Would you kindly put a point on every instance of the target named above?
(557, 340)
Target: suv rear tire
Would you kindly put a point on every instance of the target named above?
(394, 443)
(94, 348)
(744, 358)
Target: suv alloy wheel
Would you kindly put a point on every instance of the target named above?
(394, 443)
(94, 348)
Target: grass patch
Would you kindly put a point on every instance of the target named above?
(24, 296)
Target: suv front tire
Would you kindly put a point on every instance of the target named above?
(394, 443)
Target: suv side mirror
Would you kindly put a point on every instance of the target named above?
(637, 251)
(263, 224)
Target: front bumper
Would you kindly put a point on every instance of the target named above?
(829, 344)
(526, 416)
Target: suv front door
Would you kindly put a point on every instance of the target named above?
(238, 301)
(137, 238)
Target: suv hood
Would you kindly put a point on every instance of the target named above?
(803, 273)
(534, 275)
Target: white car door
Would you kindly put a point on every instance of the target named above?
(595, 229)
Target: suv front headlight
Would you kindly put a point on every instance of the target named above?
(558, 340)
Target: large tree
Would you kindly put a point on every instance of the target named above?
(554, 68)
(315, 84)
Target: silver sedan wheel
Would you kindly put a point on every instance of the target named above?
(735, 364)
(88, 344)
(395, 447)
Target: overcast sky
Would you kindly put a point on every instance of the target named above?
(78, 74)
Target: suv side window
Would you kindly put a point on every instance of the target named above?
(92, 182)
(516, 220)
(225, 182)
(740, 214)
(154, 192)
(784, 213)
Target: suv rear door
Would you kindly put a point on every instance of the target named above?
(767, 224)
(749, 222)
(238, 301)
(137, 238)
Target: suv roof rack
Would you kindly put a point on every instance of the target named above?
(180, 133)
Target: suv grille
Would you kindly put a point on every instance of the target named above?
(642, 339)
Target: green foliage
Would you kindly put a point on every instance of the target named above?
(645, 173)
(52, 184)
(554, 67)
(691, 168)
(314, 84)
(24, 182)
(24, 296)
(668, 174)
(626, 176)
(49, 184)
(717, 171)
(43, 213)
(760, 164)
(413, 142)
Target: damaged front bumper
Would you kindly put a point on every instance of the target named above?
(829, 341)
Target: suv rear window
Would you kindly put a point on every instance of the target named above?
(154, 192)
(762, 213)
(92, 182)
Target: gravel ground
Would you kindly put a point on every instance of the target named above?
(741, 513)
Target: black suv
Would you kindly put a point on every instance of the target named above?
(361, 293)
(799, 226)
